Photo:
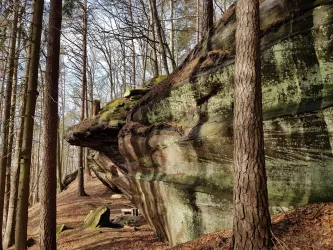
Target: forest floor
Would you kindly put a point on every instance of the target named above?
(310, 227)
(72, 210)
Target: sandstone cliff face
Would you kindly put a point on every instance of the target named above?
(173, 155)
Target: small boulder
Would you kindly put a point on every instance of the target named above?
(61, 228)
(117, 196)
(129, 220)
(100, 217)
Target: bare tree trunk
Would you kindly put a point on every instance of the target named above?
(133, 78)
(11, 137)
(63, 116)
(124, 71)
(155, 58)
(23, 190)
(172, 46)
(6, 118)
(144, 64)
(11, 220)
(36, 169)
(81, 191)
(157, 22)
(2, 99)
(207, 22)
(51, 121)
(251, 225)
(198, 21)
(59, 161)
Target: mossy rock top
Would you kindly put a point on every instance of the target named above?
(117, 110)
(100, 217)
(134, 92)
(154, 81)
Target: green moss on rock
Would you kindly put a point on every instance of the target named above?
(115, 104)
(60, 229)
(154, 81)
(113, 115)
(133, 92)
(100, 217)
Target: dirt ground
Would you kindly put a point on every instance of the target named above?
(306, 228)
(72, 210)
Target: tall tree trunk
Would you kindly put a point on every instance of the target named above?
(144, 64)
(51, 121)
(11, 137)
(172, 46)
(124, 70)
(251, 225)
(2, 90)
(157, 23)
(207, 22)
(81, 191)
(59, 161)
(198, 21)
(153, 37)
(6, 118)
(12, 122)
(133, 78)
(23, 190)
(11, 220)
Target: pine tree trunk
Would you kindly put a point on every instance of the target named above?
(11, 137)
(251, 225)
(81, 191)
(10, 226)
(23, 190)
(6, 118)
(207, 22)
(51, 121)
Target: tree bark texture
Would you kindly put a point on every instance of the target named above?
(9, 235)
(207, 21)
(23, 190)
(157, 22)
(6, 118)
(51, 121)
(133, 71)
(251, 222)
(81, 191)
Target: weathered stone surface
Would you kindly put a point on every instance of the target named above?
(175, 150)
(100, 217)
(61, 229)
(69, 179)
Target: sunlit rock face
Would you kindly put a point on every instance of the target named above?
(173, 156)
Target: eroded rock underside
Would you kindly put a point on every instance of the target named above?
(171, 151)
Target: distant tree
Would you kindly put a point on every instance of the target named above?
(51, 121)
(207, 16)
(251, 223)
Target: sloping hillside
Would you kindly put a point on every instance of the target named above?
(310, 227)
(72, 210)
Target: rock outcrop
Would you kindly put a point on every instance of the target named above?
(172, 155)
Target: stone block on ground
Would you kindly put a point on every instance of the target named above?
(100, 217)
